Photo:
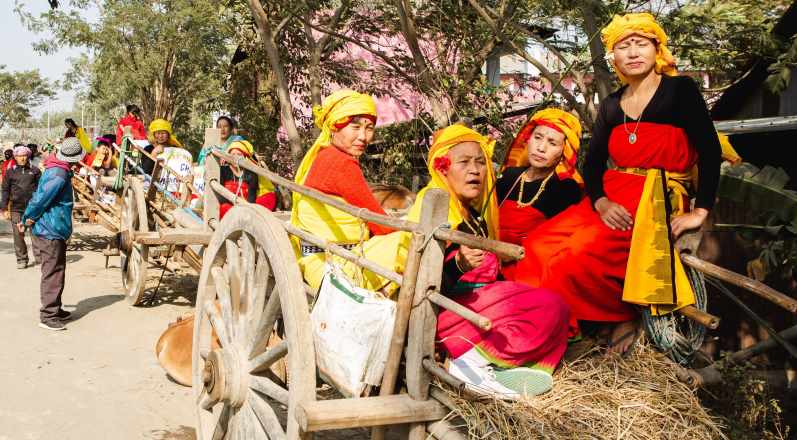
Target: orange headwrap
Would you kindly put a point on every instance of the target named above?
(560, 120)
(645, 25)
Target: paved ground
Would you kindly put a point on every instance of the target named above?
(100, 378)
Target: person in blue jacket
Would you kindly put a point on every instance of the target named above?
(49, 213)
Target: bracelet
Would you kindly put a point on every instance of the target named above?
(456, 263)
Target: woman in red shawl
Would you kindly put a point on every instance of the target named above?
(540, 180)
(614, 250)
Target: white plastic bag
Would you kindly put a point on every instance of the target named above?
(352, 328)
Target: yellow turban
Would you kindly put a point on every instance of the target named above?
(645, 25)
(444, 141)
(560, 120)
(264, 184)
(163, 125)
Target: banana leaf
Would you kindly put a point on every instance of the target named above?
(760, 191)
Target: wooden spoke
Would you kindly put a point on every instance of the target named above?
(251, 427)
(266, 324)
(218, 325)
(222, 284)
(203, 353)
(268, 419)
(233, 268)
(266, 359)
(206, 402)
(263, 284)
(268, 388)
(220, 427)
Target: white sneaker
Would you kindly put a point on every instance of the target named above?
(479, 376)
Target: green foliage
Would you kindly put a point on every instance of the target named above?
(780, 71)
(723, 37)
(168, 56)
(19, 93)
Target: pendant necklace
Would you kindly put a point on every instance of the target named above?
(632, 136)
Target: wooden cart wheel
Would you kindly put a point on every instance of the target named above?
(134, 256)
(250, 284)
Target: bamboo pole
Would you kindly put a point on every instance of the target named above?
(705, 319)
(506, 251)
(742, 281)
(460, 310)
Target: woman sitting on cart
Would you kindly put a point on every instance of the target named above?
(614, 250)
(244, 183)
(102, 159)
(160, 138)
(346, 119)
(540, 178)
(227, 126)
(528, 336)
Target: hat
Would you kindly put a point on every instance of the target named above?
(71, 151)
(21, 151)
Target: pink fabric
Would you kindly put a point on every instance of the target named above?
(53, 162)
(529, 326)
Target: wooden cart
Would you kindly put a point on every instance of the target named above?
(252, 311)
(146, 223)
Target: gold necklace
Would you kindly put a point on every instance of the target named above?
(523, 179)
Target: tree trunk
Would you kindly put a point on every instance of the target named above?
(283, 92)
(602, 77)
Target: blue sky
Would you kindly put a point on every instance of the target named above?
(16, 51)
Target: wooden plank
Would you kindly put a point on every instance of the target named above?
(443, 430)
(156, 175)
(186, 220)
(742, 281)
(779, 123)
(403, 308)
(423, 320)
(210, 203)
(505, 251)
(180, 237)
(324, 415)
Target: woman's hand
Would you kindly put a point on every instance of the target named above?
(614, 215)
(469, 258)
(686, 222)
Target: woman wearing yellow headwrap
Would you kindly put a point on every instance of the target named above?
(529, 326)
(614, 251)
(540, 178)
(331, 165)
(161, 137)
(242, 182)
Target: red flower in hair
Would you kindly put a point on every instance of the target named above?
(442, 163)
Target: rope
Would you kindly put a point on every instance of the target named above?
(675, 335)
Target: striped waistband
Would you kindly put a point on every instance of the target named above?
(310, 249)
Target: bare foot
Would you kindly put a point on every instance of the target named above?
(623, 335)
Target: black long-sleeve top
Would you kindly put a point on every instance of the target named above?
(558, 194)
(677, 102)
(248, 178)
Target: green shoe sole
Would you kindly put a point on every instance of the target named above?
(524, 380)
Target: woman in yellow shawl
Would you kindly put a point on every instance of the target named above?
(161, 137)
(529, 326)
(614, 251)
(346, 119)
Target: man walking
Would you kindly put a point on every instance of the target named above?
(18, 187)
(50, 214)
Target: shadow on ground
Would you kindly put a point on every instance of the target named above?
(181, 433)
(88, 305)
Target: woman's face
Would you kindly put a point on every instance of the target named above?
(545, 147)
(354, 137)
(21, 160)
(468, 169)
(162, 137)
(225, 128)
(635, 56)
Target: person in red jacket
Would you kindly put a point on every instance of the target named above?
(133, 120)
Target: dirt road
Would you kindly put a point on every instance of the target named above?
(99, 379)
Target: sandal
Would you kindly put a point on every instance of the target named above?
(634, 334)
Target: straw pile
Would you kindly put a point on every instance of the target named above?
(596, 397)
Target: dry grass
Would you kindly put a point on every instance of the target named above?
(598, 397)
